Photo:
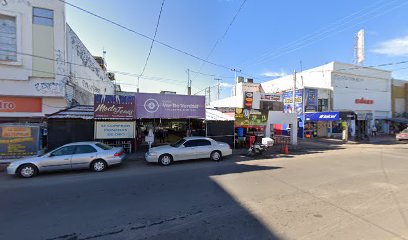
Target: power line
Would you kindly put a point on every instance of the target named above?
(151, 45)
(144, 36)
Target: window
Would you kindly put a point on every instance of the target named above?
(64, 151)
(103, 146)
(8, 38)
(43, 16)
(197, 143)
(323, 105)
(80, 149)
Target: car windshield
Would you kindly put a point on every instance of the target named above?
(178, 143)
(405, 131)
(103, 146)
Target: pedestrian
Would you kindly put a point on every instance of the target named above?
(374, 130)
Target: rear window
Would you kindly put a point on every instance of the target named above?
(103, 146)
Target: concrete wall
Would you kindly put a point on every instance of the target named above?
(399, 97)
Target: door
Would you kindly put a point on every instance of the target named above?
(189, 151)
(59, 159)
(203, 148)
(83, 156)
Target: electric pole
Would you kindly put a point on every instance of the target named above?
(294, 91)
(235, 79)
(188, 82)
(218, 85)
(209, 95)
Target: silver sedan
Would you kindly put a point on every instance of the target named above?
(188, 148)
(81, 155)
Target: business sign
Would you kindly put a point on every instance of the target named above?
(17, 141)
(364, 116)
(248, 99)
(114, 130)
(288, 102)
(322, 116)
(114, 106)
(150, 105)
(271, 97)
(246, 117)
(20, 104)
(364, 101)
(311, 100)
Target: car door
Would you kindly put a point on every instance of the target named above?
(59, 159)
(189, 150)
(83, 156)
(203, 148)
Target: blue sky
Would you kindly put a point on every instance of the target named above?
(267, 39)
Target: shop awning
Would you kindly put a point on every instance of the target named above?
(399, 120)
(215, 115)
(322, 116)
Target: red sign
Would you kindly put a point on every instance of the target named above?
(248, 98)
(364, 101)
(20, 104)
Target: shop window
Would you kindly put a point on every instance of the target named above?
(323, 105)
(43, 16)
(8, 38)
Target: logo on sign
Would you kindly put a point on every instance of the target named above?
(328, 116)
(7, 105)
(151, 105)
(364, 101)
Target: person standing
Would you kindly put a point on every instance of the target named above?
(374, 130)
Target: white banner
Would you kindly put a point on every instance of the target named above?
(114, 130)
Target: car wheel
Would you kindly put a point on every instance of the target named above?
(216, 156)
(98, 165)
(27, 171)
(165, 159)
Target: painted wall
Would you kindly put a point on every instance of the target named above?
(399, 97)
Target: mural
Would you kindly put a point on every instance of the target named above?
(52, 88)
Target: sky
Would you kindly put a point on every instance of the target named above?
(262, 38)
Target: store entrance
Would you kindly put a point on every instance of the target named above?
(361, 130)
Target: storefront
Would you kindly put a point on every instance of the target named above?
(18, 140)
(249, 124)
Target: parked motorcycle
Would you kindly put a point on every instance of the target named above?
(260, 146)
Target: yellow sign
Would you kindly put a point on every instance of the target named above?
(16, 132)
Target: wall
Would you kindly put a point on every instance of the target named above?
(233, 102)
(399, 97)
(87, 77)
(240, 88)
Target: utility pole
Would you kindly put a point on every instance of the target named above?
(235, 79)
(209, 95)
(218, 85)
(188, 82)
(294, 91)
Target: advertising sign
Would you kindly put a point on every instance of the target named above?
(245, 117)
(248, 99)
(271, 97)
(171, 106)
(288, 102)
(114, 106)
(311, 100)
(322, 116)
(114, 130)
(16, 141)
(20, 104)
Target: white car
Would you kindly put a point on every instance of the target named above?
(188, 148)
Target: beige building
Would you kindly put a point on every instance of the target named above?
(399, 97)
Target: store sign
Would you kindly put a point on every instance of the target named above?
(271, 97)
(322, 116)
(114, 106)
(288, 102)
(311, 100)
(17, 141)
(20, 104)
(248, 99)
(170, 106)
(364, 101)
(246, 117)
(114, 130)
(364, 116)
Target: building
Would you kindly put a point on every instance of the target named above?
(399, 98)
(356, 95)
(44, 66)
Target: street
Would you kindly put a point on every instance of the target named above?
(348, 192)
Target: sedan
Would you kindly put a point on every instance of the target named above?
(81, 155)
(403, 135)
(188, 148)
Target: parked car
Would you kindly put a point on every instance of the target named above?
(80, 155)
(403, 135)
(188, 148)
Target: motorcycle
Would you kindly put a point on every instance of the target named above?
(260, 146)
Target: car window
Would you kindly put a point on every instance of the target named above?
(405, 131)
(103, 146)
(178, 143)
(197, 143)
(68, 150)
(84, 149)
(190, 143)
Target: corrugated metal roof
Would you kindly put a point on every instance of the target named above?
(215, 115)
(76, 112)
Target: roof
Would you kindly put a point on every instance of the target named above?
(196, 138)
(215, 115)
(75, 112)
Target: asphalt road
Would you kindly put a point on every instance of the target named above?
(352, 192)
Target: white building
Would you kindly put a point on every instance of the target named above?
(44, 67)
(345, 87)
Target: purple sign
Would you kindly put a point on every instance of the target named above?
(172, 106)
(114, 106)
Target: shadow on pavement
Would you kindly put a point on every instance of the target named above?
(181, 201)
